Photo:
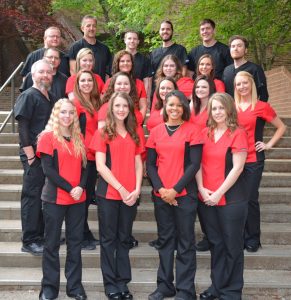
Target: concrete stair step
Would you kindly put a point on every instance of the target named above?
(145, 231)
(278, 153)
(9, 149)
(9, 138)
(8, 127)
(277, 165)
(10, 162)
(273, 213)
(271, 284)
(285, 141)
(276, 179)
(271, 195)
(269, 257)
(270, 130)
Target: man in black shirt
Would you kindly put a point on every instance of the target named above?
(142, 66)
(101, 52)
(52, 38)
(32, 111)
(58, 87)
(238, 50)
(218, 51)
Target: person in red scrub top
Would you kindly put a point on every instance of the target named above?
(202, 91)
(223, 204)
(173, 158)
(170, 66)
(252, 115)
(123, 62)
(63, 158)
(84, 61)
(117, 146)
(206, 66)
(164, 86)
(87, 102)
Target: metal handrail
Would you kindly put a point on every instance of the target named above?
(12, 79)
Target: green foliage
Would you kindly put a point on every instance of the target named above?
(264, 22)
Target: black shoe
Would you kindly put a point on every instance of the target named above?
(42, 296)
(252, 248)
(78, 296)
(203, 245)
(153, 243)
(133, 243)
(126, 296)
(88, 245)
(94, 241)
(33, 248)
(207, 296)
(62, 241)
(114, 296)
(157, 295)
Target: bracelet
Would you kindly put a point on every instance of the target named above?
(119, 187)
(31, 158)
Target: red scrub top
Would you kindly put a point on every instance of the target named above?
(217, 162)
(154, 119)
(200, 119)
(253, 122)
(120, 159)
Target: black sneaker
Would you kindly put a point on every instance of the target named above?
(88, 245)
(203, 245)
(133, 243)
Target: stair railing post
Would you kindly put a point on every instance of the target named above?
(12, 103)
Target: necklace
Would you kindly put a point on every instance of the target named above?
(173, 130)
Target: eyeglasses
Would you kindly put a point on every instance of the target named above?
(52, 57)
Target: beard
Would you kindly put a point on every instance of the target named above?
(168, 38)
(44, 85)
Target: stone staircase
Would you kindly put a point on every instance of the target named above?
(267, 272)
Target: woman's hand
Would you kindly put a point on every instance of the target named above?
(261, 146)
(123, 193)
(205, 193)
(76, 193)
(131, 198)
(168, 195)
(213, 199)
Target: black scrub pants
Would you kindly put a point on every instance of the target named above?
(253, 177)
(74, 221)
(31, 213)
(115, 227)
(224, 227)
(90, 197)
(176, 231)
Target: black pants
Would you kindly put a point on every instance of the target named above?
(115, 227)
(224, 227)
(90, 196)
(74, 221)
(253, 173)
(31, 213)
(176, 230)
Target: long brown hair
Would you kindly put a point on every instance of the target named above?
(95, 101)
(130, 121)
(160, 74)
(212, 72)
(196, 100)
(110, 90)
(159, 103)
(231, 115)
(116, 61)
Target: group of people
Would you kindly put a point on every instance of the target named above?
(204, 154)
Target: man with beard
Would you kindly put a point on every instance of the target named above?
(58, 87)
(51, 38)
(218, 50)
(32, 111)
(101, 52)
(238, 50)
(168, 47)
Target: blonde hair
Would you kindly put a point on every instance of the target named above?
(83, 52)
(231, 115)
(54, 126)
(237, 96)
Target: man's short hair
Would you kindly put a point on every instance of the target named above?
(168, 22)
(238, 37)
(88, 17)
(38, 62)
(131, 31)
(46, 50)
(207, 21)
(51, 28)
